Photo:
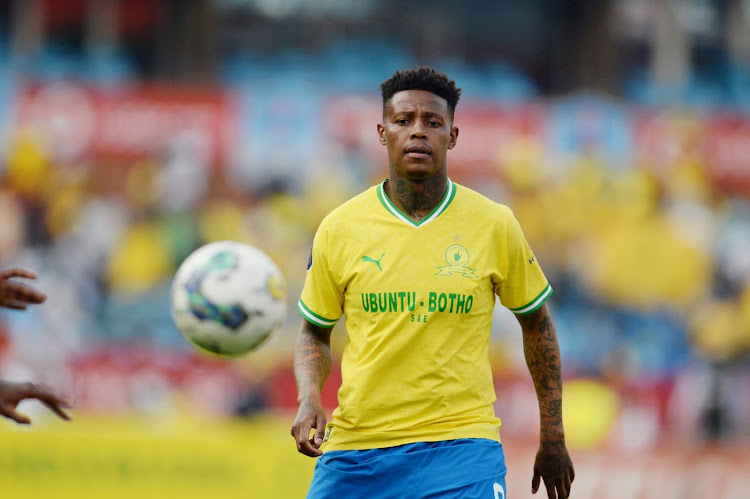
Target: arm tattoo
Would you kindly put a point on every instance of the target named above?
(542, 354)
(312, 359)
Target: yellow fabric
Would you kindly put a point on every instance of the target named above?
(418, 299)
(720, 329)
(27, 166)
(645, 264)
(140, 261)
(591, 410)
(223, 220)
(64, 209)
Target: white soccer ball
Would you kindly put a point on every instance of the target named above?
(228, 298)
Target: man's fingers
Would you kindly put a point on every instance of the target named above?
(535, 482)
(13, 304)
(304, 433)
(562, 492)
(304, 444)
(10, 413)
(312, 452)
(58, 409)
(56, 402)
(572, 474)
(17, 272)
(307, 449)
(320, 430)
(567, 481)
(19, 418)
(550, 491)
(19, 292)
(42, 392)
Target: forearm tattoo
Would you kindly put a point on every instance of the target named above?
(542, 354)
(312, 359)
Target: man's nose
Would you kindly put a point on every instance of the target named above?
(417, 131)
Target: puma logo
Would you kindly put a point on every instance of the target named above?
(366, 258)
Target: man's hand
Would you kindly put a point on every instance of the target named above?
(553, 465)
(17, 295)
(13, 393)
(310, 415)
(312, 363)
(542, 353)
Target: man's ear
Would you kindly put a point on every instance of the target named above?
(454, 137)
(381, 133)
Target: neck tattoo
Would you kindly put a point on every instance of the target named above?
(416, 199)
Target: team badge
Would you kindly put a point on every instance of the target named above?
(457, 258)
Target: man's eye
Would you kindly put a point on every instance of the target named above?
(433, 123)
(402, 122)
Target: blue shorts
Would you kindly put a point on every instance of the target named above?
(465, 468)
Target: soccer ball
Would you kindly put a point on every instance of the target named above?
(228, 298)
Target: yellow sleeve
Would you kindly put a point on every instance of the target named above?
(525, 288)
(322, 300)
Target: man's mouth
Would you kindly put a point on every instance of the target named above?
(418, 152)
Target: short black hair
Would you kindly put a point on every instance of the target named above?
(423, 78)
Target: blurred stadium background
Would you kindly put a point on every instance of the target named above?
(133, 131)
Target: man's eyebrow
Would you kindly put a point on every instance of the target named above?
(411, 112)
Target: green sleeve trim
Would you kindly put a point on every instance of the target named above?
(535, 303)
(314, 318)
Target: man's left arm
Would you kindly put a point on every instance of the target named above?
(542, 353)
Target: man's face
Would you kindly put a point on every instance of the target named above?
(417, 130)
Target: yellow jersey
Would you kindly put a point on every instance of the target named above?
(418, 299)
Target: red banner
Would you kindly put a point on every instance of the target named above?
(662, 137)
(728, 153)
(130, 123)
(488, 136)
(719, 143)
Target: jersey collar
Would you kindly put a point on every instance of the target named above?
(450, 193)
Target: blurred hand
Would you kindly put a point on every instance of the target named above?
(13, 393)
(310, 415)
(553, 465)
(17, 295)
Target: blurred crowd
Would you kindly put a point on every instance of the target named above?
(639, 214)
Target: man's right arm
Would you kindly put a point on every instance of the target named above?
(312, 364)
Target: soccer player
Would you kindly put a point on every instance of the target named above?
(415, 263)
(18, 296)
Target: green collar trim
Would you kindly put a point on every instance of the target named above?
(450, 193)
